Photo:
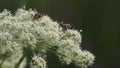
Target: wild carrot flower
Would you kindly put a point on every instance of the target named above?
(25, 42)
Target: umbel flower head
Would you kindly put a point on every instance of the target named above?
(24, 41)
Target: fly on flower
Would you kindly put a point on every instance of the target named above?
(66, 26)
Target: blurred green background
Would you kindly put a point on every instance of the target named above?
(99, 20)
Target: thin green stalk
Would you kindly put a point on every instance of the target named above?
(22, 58)
(53, 51)
(5, 56)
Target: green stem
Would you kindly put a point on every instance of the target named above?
(52, 50)
(22, 58)
(5, 56)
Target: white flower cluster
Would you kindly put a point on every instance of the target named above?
(19, 32)
(38, 62)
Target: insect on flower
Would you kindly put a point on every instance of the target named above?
(38, 16)
(66, 26)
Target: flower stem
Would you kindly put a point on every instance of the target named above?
(53, 51)
(22, 58)
(5, 56)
